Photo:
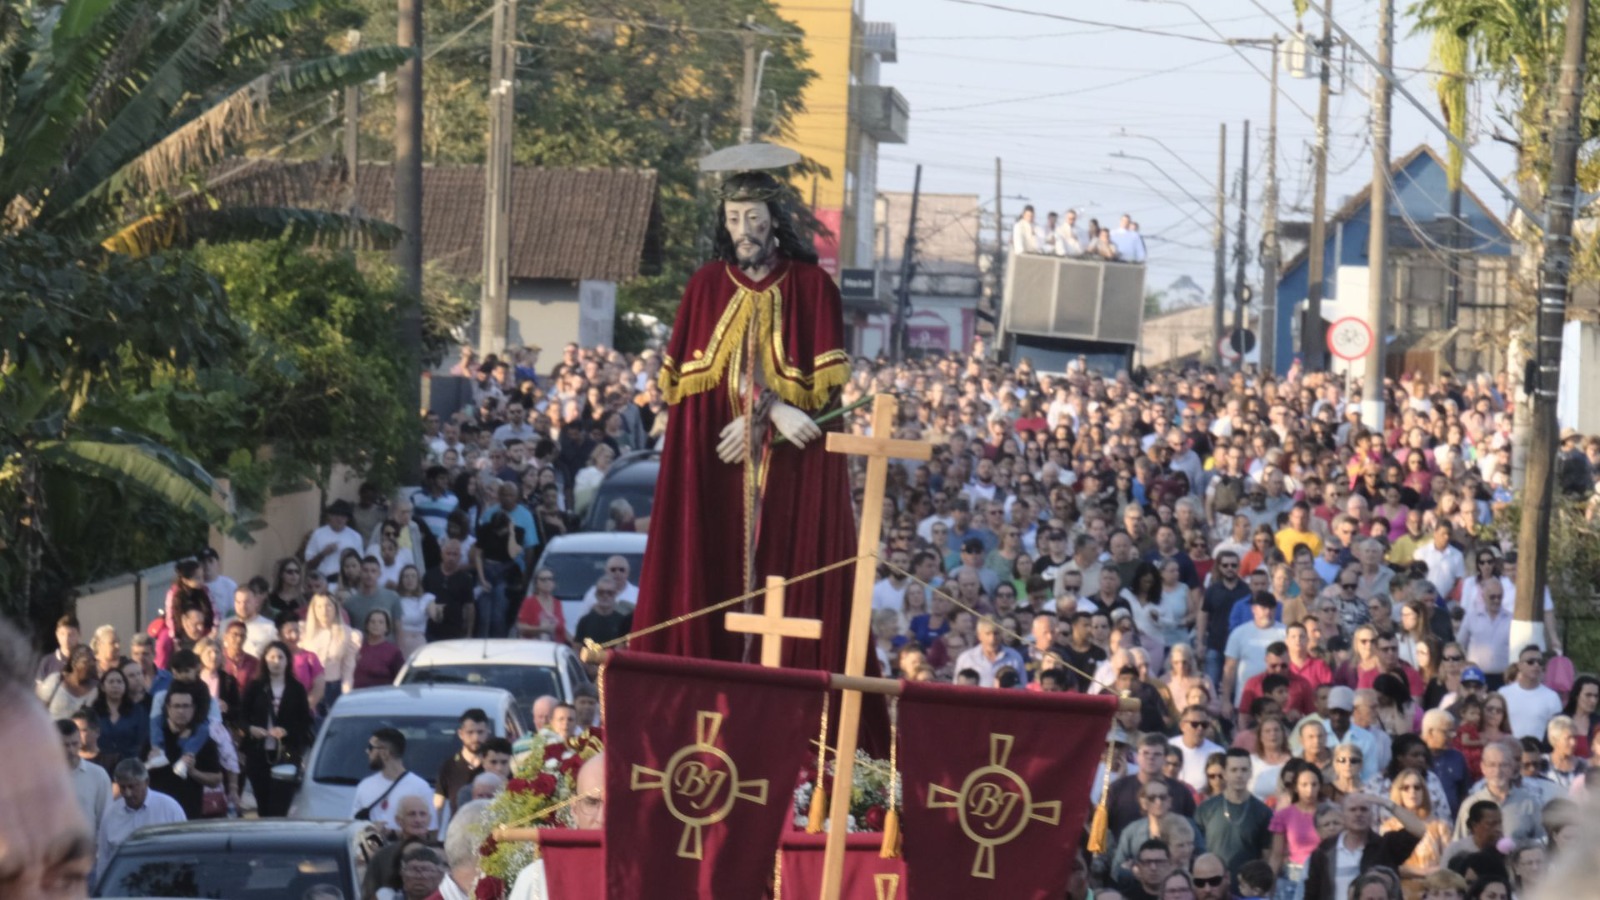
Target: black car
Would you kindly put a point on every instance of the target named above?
(632, 478)
(240, 859)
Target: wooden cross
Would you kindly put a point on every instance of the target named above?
(879, 448)
(772, 626)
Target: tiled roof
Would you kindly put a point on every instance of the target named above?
(565, 223)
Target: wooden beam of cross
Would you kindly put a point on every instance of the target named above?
(878, 448)
(772, 626)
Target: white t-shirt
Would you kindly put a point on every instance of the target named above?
(1248, 644)
(1530, 711)
(372, 787)
(1193, 772)
(346, 538)
(886, 596)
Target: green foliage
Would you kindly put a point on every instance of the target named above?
(1573, 571)
(647, 84)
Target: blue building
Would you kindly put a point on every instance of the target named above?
(1420, 238)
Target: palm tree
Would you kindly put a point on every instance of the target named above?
(108, 111)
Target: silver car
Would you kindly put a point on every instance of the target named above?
(528, 669)
(428, 716)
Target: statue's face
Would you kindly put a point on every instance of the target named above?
(749, 223)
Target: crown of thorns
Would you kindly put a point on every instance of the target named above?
(749, 190)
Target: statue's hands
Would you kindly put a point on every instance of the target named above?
(730, 449)
(794, 424)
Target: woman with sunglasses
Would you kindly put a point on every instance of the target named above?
(1444, 687)
(288, 593)
(1486, 570)
(1409, 791)
(1345, 777)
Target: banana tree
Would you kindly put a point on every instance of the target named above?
(109, 109)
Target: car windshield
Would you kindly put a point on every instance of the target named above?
(630, 485)
(577, 572)
(342, 746)
(526, 683)
(238, 873)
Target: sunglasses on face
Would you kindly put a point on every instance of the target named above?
(1213, 881)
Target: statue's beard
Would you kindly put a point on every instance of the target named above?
(755, 255)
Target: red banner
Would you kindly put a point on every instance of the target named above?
(867, 875)
(701, 766)
(996, 788)
(573, 863)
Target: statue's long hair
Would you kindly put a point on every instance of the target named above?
(754, 185)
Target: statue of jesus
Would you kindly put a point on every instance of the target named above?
(756, 352)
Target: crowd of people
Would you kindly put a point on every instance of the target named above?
(1315, 617)
(1061, 236)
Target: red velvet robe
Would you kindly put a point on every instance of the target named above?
(695, 554)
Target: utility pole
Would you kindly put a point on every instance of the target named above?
(352, 128)
(1534, 540)
(1241, 290)
(908, 268)
(1313, 336)
(408, 215)
(1267, 339)
(1378, 233)
(495, 307)
(1219, 283)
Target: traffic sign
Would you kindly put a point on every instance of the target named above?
(1231, 347)
(1350, 338)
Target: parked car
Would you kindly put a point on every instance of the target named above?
(632, 477)
(580, 559)
(427, 714)
(528, 669)
(241, 859)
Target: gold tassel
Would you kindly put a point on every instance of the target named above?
(890, 849)
(891, 835)
(1100, 827)
(819, 797)
(819, 808)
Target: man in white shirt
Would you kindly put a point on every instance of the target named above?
(1129, 243)
(1485, 633)
(1069, 242)
(890, 592)
(516, 426)
(618, 568)
(329, 541)
(378, 795)
(217, 583)
(137, 807)
(1245, 655)
(1529, 703)
(1194, 745)
(1446, 566)
(1024, 239)
(990, 656)
(259, 630)
(90, 783)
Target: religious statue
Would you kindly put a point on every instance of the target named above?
(746, 488)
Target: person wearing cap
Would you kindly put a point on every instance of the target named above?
(1246, 652)
(1574, 472)
(1342, 730)
(329, 541)
(973, 555)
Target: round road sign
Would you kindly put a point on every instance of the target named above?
(1350, 338)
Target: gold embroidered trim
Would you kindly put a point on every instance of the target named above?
(764, 311)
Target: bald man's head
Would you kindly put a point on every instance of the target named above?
(590, 811)
(413, 815)
(542, 708)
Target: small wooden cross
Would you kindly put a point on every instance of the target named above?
(878, 448)
(772, 626)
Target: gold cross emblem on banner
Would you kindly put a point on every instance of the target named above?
(700, 783)
(994, 805)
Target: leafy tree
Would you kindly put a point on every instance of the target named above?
(644, 83)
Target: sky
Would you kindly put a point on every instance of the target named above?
(1052, 98)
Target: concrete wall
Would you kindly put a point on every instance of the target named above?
(543, 312)
(131, 600)
(1177, 335)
